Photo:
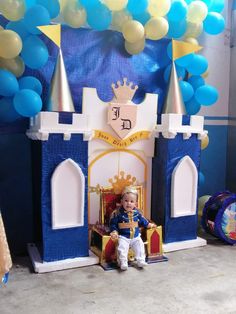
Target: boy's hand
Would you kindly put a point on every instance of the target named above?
(114, 235)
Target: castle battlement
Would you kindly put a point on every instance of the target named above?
(172, 124)
(46, 123)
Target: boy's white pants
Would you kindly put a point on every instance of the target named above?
(136, 244)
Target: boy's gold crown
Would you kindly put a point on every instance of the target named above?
(124, 93)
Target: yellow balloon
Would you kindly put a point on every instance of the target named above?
(1, 28)
(191, 40)
(159, 7)
(193, 29)
(197, 11)
(204, 142)
(119, 19)
(133, 31)
(15, 65)
(63, 3)
(115, 5)
(156, 28)
(205, 74)
(201, 203)
(73, 16)
(10, 44)
(13, 10)
(135, 48)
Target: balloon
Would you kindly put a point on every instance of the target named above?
(30, 82)
(206, 95)
(217, 6)
(34, 52)
(186, 90)
(133, 31)
(197, 11)
(7, 110)
(30, 3)
(88, 4)
(204, 142)
(208, 3)
(27, 103)
(73, 15)
(142, 18)
(18, 27)
(196, 81)
(180, 72)
(201, 203)
(135, 48)
(191, 40)
(177, 29)
(201, 178)
(159, 7)
(16, 65)
(119, 19)
(13, 10)
(53, 7)
(99, 17)
(205, 74)
(156, 28)
(36, 16)
(198, 65)
(214, 23)
(193, 29)
(137, 7)
(177, 11)
(8, 83)
(115, 5)
(10, 44)
(192, 106)
(183, 61)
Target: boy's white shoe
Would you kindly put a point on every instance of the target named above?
(123, 265)
(141, 264)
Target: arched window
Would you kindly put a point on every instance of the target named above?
(184, 188)
(67, 186)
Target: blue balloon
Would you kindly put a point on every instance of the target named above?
(143, 17)
(30, 82)
(29, 3)
(208, 3)
(177, 29)
(206, 95)
(178, 11)
(180, 72)
(18, 27)
(137, 7)
(196, 81)
(27, 103)
(192, 106)
(186, 90)
(89, 3)
(198, 65)
(7, 110)
(183, 61)
(214, 23)
(99, 17)
(34, 52)
(217, 6)
(8, 83)
(53, 7)
(35, 16)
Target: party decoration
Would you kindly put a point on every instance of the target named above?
(30, 82)
(137, 7)
(191, 40)
(12, 10)
(204, 142)
(75, 17)
(53, 32)
(198, 66)
(53, 7)
(217, 6)
(16, 65)
(99, 18)
(214, 23)
(186, 90)
(192, 106)
(10, 44)
(135, 48)
(197, 11)
(193, 29)
(7, 111)
(201, 202)
(206, 95)
(27, 103)
(201, 178)
(156, 28)
(8, 83)
(180, 72)
(34, 52)
(177, 11)
(158, 7)
(18, 27)
(35, 16)
(115, 5)
(133, 31)
(119, 19)
(181, 49)
(177, 29)
(90, 4)
(196, 81)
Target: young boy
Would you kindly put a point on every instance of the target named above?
(124, 226)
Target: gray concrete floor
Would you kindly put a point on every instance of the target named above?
(200, 280)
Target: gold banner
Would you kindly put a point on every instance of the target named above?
(115, 142)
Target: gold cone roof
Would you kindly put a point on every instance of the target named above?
(60, 96)
(174, 102)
